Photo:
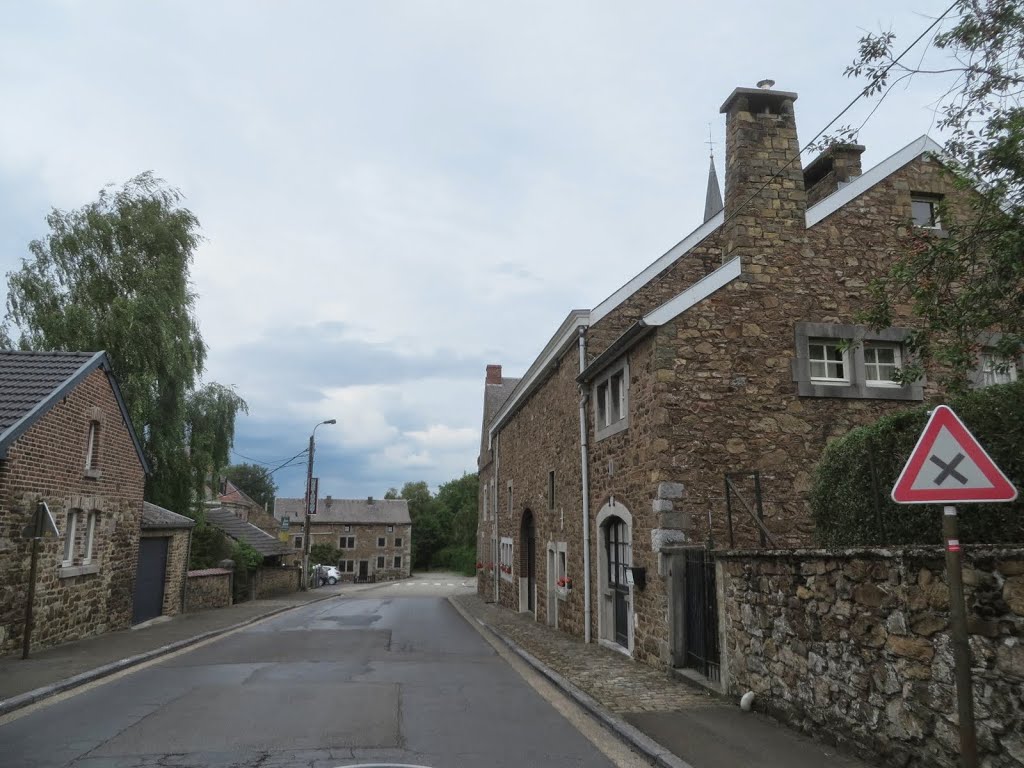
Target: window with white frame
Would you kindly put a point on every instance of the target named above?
(611, 401)
(881, 361)
(90, 537)
(828, 361)
(924, 210)
(996, 370)
(347, 542)
(398, 541)
(506, 558)
(391, 529)
(348, 528)
(70, 526)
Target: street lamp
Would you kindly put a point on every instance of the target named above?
(310, 504)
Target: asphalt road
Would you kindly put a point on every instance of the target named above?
(371, 677)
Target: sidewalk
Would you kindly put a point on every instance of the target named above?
(52, 670)
(697, 727)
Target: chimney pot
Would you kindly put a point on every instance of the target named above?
(369, 499)
(766, 84)
(494, 374)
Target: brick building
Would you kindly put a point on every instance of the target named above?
(724, 355)
(374, 535)
(66, 439)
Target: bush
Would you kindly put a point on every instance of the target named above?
(456, 558)
(850, 499)
(324, 554)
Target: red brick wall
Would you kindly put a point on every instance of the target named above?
(47, 463)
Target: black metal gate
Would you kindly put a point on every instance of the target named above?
(148, 601)
(700, 617)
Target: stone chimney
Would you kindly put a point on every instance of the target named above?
(327, 502)
(765, 201)
(494, 374)
(831, 170)
(369, 499)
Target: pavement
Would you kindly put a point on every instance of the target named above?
(688, 725)
(52, 670)
(372, 677)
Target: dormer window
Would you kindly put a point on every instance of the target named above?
(925, 212)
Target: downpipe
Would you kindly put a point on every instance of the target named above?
(585, 480)
(496, 542)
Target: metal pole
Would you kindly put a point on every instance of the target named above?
(305, 524)
(961, 650)
(37, 533)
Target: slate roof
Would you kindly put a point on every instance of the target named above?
(31, 383)
(239, 530)
(158, 517)
(389, 511)
(495, 396)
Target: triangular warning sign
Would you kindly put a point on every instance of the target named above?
(949, 466)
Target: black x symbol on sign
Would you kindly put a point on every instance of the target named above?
(948, 469)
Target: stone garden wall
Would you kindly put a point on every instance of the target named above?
(854, 647)
(208, 588)
(272, 582)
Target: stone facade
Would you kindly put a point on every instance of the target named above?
(81, 596)
(854, 647)
(208, 588)
(272, 582)
(715, 389)
(177, 565)
(397, 544)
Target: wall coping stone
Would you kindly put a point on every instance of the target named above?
(209, 572)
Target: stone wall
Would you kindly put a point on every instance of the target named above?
(854, 647)
(177, 565)
(88, 596)
(397, 543)
(208, 588)
(271, 582)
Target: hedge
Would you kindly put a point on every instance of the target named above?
(850, 500)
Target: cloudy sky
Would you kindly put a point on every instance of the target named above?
(395, 194)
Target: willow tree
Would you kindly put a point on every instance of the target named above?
(114, 275)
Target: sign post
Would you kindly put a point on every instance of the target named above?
(41, 525)
(949, 466)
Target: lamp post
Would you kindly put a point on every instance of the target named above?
(310, 504)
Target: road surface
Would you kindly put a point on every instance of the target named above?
(386, 673)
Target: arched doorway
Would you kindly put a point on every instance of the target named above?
(615, 555)
(528, 564)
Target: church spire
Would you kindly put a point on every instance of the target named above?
(713, 200)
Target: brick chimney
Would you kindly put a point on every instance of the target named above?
(835, 167)
(494, 374)
(761, 150)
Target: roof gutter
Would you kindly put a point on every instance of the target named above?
(630, 337)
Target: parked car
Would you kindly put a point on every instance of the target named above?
(327, 574)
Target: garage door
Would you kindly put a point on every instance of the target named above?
(149, 579)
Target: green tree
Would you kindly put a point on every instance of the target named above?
(114, 275)
(255, 481)
(324, 554)
(966, 290)
(428, 535)
(459, 498)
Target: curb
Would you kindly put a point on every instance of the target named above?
(632, 736)
(23, 700)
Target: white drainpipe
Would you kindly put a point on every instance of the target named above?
(585, 475)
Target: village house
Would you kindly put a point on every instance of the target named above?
(66, 440)
(373, 535)
(230, 496)
(700, 394)
(162, 575)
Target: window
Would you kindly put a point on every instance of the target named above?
(381, 541)
(348, 529)
(90, 534)
(828, 361)
(391, 529)
(92, 447)
(398, 541)
(347, 542)
(506, 558)
(510, 497)
(70, 524)
(298, 542)
(380, 562)
(851, 361)
(881, 361)
(924, 211)
(398, 561)
(611, 401)
(551, 489)
(996, 370)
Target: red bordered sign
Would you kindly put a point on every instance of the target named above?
(949, 466)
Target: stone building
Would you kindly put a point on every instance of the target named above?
(230, 496)
(66, 439)
(373, 535)
(162, 574)
(727, 354)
